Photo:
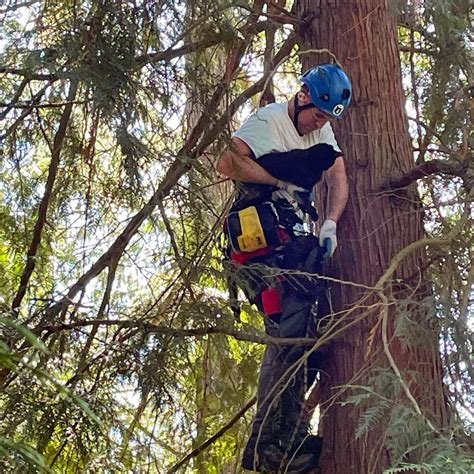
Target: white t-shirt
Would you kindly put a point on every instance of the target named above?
(271, 129)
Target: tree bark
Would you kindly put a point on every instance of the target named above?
(374, 228)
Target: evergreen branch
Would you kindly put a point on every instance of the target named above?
(212, 39)
(409, 467)
(183, 163)
(150, 328)
(385, 278)
(371, 417)
(43, 207)
(27, 74)
(34, 101)
(397, 259)
(195, 452)
(15, 99)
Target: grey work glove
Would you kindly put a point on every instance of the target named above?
(296, 192)
(301, 195)
(327, 237)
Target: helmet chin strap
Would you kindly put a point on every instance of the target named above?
(298, 109)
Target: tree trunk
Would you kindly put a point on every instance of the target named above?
(374, 228)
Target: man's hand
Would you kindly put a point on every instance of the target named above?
(296, 192)
(301, 196)
(327, 237)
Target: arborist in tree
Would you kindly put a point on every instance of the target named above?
(276, 158)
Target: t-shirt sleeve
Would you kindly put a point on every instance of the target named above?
(256, 133)
(327, 136)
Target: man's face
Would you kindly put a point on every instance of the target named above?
(312, 119)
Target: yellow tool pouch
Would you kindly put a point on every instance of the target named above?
(253, 228)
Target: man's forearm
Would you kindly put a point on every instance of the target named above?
(243, 168)
(338, 190)
(337, 200)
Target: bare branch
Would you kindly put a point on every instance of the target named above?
(27, 74)
(195, 452)
(15, 99)
(17, 6)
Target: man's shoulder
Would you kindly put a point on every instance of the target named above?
(266, 118)
(276, 108)
(270, 112)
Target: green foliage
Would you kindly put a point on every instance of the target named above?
(42, 384)
(413, 444)
(28, 457)
(371, 417)
(122, 375)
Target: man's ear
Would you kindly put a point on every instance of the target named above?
(303, 96)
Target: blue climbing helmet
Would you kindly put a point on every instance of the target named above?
(330, 88)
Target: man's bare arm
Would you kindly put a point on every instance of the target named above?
(338, 189)
(236, 163)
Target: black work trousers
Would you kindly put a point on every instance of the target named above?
(287, 371)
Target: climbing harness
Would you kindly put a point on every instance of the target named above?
(255, 227)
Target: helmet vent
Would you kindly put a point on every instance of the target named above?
(325, 97)
(346, 93)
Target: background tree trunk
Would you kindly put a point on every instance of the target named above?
(375, 140)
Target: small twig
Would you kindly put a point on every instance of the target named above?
(35, 100)
(15, 99)
(195, 452)
(55, 105)
(179, 259)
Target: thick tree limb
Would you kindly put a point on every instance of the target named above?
(210, 40)
(429, 168)
(43, 207)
